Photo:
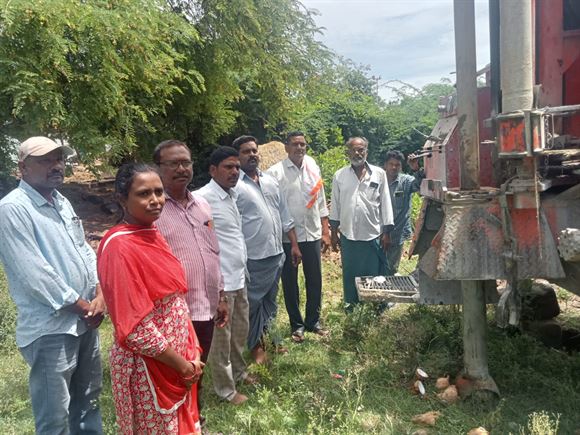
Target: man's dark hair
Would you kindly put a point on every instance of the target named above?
(167, 144)
(220, 154)
(394, 154)
(293, 134)
(238, 142)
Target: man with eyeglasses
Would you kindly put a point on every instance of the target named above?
(361, 212)
(186, 222)
(301, 183)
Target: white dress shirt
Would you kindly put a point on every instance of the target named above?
(228, 228)
(293, 186)
(361, 209)
(264, 213)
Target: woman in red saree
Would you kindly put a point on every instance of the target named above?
(155, 358)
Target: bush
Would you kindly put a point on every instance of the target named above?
(330, 161)
(7, 314)
(8, 159)
(542, 423)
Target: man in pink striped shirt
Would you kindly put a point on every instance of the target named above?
(187, 224)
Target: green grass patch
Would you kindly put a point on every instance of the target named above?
(358, 379)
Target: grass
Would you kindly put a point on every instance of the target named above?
(374, 355)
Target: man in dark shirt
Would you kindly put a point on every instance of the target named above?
(401, 189)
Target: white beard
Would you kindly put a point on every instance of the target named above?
(357, 163)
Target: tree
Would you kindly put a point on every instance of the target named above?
(94, 73)
(256, 56)
(115, 77)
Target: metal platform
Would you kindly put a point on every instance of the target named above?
(405, 289)
(400, 289)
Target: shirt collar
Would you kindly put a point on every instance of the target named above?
(190, 197)
(369, 170)
(243, 175)
(37, 198)
(398, 179)
(290, 163)
(222, 194)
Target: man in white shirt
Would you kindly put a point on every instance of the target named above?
(226, 360)
(265, 218)
(362, 213)
(301, 184)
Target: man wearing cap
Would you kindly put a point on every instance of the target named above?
(52, 278)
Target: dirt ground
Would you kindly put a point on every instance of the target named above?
(93, 201)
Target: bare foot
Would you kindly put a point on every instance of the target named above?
(259, 355)
(251, 379)
(238, 399)
(281, 350)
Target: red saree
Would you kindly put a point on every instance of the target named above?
(143, 285)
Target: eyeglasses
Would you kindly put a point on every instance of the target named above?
(174, 164)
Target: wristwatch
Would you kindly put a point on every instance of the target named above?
(223, 298)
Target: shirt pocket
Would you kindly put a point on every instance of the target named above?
(371, 191)
(209, 238)
(77, 231)
(399, 199)
(272, 199)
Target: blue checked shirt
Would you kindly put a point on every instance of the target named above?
(401, 191)
(48, 263)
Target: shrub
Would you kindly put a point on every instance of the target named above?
(8, 161)
(541, 423)
(7, 314)
(330, 161)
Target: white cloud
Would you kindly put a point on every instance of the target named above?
(411, 40)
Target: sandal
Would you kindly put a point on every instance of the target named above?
(298, 336)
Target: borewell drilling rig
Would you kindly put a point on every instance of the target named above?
(502, 186)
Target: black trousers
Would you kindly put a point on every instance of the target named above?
(313, 276)
(204, 331)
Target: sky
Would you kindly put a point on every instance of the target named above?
(408, 40)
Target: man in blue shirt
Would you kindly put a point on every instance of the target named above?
(52, 278)
(401, 188)
(265, 216)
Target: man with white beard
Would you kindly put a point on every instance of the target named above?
(361, 218)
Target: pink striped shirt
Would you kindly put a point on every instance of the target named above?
(190, 234)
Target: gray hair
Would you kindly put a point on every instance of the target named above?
(352, 139)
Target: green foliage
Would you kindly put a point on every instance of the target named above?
(7, 314)
(416, 204)
(254, 58)
(358, 379)
(116, 77)
(8, 158)
(542, 423)
(343, 102)
(94, 73)
(329, 162)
